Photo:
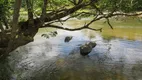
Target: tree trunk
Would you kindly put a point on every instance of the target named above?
(24, 32)
(43, 15)
(21, 33)
(30, 13)
(11, 43)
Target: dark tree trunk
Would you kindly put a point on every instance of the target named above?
(30, 13)
(13, 36)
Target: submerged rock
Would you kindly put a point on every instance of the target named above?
(55, 32)
(45, 35)
(87, 48)
(68, 38)
(51, 34)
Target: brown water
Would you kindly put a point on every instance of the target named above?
(51, 59)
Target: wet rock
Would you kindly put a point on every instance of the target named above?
(87, 48)
(45, 35)
(68, 38)
(53, 33)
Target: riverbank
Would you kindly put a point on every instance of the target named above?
(124, 27)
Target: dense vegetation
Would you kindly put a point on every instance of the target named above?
(16, 30)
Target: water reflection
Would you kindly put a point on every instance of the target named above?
(52, 59)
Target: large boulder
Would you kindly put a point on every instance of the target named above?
(68, 38)
(86, 48)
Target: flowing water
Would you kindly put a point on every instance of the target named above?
(53, 59)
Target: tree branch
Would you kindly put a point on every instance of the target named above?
(43, 15)
(11, 45)
(127, 14)
(30, 12)
(69, 29)
(71, 16)
(51, 17)
(97, 17)
(108, 22)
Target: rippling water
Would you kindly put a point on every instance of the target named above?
(52, 59)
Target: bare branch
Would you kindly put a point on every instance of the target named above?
(69, 29)
(108, 22)
(51, 17)
(127, 14)
(104, 15)
(71, 16)
(95, 18)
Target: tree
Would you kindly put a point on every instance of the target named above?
(22, 32)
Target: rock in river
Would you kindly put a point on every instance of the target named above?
(67, 38)
(87, 48)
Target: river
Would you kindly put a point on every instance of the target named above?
(52, 59)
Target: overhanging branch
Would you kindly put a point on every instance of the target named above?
(96, 18)
(108, 22)
(69, 29)
(127, 14)
(51, 17)
(71, 16)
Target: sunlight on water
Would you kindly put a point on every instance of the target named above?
(55, 60)
(114, 58)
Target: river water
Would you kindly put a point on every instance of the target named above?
(53, 59)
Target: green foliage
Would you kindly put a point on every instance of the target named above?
(137, 5)
(59, 2)
(4, 9)
(120, 5)
(6, 6)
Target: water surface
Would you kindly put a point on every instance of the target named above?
(114, 58)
